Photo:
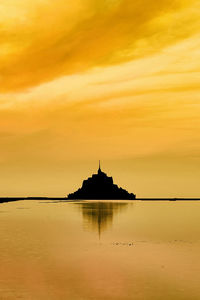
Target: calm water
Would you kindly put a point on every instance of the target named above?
(100, 250)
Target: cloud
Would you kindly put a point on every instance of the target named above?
(42, 40)
(116, 79)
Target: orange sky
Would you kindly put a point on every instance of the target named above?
(116, 80)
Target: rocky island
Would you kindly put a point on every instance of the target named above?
(100, 186)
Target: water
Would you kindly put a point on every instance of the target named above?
(99, 250)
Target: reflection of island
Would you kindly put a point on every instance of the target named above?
(99, 215)
(100, 186)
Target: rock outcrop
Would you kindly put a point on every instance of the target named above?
(100, 186)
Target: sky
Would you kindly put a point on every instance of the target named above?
(116, 80)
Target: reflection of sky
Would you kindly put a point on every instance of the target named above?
(99, 215)
(46, 254)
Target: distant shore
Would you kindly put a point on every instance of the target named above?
(13, 199)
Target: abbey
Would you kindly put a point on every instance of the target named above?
(100, 186)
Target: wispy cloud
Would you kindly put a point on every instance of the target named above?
(83, 79)
(42, 40)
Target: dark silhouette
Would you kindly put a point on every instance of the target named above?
(13, 199)
(100, 186)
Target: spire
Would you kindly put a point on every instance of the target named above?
(99, 170)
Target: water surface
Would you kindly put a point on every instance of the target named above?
(100, 250)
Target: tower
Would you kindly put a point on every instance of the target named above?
(99, 170)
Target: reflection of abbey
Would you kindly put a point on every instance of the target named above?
(100, 186)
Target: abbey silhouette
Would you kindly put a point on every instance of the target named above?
(100, 186)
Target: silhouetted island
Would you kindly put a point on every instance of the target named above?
(101, 187)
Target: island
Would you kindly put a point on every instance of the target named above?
(101, 187)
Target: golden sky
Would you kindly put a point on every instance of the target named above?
(116, 80)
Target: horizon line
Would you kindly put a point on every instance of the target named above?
(10, 199)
